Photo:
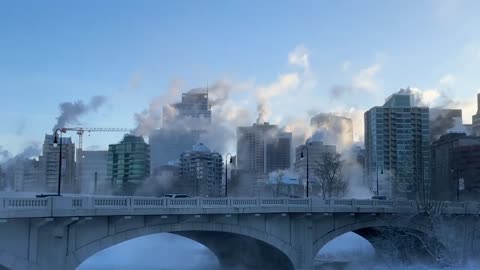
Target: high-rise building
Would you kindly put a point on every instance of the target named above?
(49, 165)
(201, 171)
(168, 144)
(128, 164)
(278, 152)
(443, 121)
(397, 144)
(91, 170)
(315, 151)
(336, 130)
(476, 119)
(262, 149)
(456, 167)
(27, 175)
(194, 105)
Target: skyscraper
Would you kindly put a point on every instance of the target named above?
(49, 165)
(128, 164)
(194, 106)
(201, 172)
(262, 149)
(476, 119)
(397, 143)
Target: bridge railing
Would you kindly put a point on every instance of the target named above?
(244, 202)
(148, 202)
(34, 207)
(111, 205)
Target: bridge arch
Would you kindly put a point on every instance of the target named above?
(233, 245)
(376, 232)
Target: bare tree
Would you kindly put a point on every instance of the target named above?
(328, 172)
(277, 183)
(404, 245)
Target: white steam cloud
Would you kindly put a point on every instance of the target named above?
(366, 80)
(151, 118)
(284, 84)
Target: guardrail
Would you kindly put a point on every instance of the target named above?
(83, 205)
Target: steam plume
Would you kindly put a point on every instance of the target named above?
(72, 111)
(151, 118)
(4, 154)
(284, 84)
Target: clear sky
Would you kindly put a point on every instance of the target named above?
(292, 53)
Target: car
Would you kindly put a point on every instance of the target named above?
(176, 196)
(379, 197)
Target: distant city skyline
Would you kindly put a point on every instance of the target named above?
(233, 134)
(264, 53)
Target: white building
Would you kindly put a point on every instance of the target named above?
(49, 165)
(201, 171)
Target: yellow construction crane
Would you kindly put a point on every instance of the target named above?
(81, 130)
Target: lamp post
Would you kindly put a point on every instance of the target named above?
(57, 140)
(381, 172)
(226, 172)
(301, 156)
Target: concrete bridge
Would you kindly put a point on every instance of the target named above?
(59, 233)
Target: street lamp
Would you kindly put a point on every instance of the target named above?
(381, 172)
(226, 173)
(58, 141)
(301, 156)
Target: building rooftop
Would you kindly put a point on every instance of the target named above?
(128, 138)
(399, 101)
(50, 138)
(200, 147)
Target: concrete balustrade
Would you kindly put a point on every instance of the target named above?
(92, 206)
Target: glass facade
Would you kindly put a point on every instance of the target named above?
(128, 164)
(396, 142)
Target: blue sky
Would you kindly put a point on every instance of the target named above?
(295, 51)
